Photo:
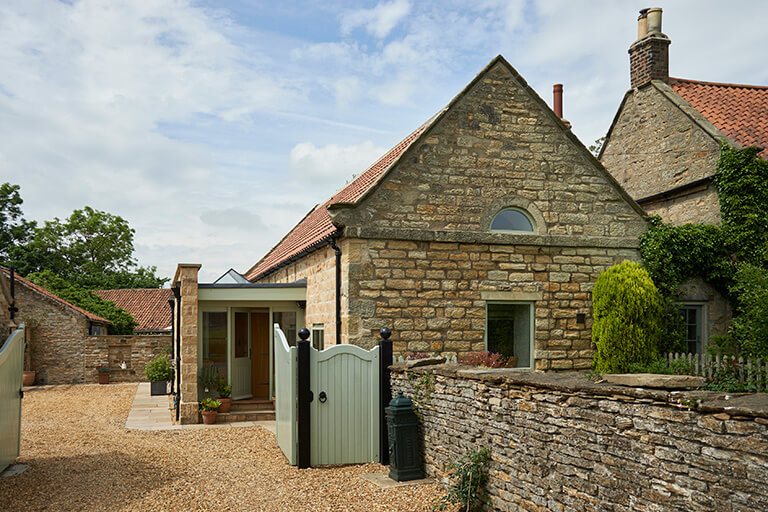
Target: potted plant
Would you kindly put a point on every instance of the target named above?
(208, 407)
(103, 374)
(159, 372)
(225, 393)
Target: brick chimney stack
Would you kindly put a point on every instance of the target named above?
(649, 55)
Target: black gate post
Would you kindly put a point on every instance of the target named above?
(305, 397)
(385, 392)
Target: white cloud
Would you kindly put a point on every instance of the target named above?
(237, 218)
(332, 163)
(379, 20)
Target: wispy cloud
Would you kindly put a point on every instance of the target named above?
(379, 20)
(332, 163)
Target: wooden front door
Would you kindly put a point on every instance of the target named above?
(260, 355)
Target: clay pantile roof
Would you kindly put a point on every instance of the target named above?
(149, 306)
(39, 289)
(739, 111)
(316, 227)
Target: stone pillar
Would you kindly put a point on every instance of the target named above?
(186, 277)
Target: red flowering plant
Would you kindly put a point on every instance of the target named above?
(487, 359)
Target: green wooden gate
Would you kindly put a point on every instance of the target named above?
(344, 411)
(11, 369)
(285, 396)
(330, 411)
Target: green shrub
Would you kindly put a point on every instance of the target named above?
(750, 327)
(468, 479)
(627, 324)
(208, 381)
(224, 389)
(209, 404)
(662, 367)
(159, 369)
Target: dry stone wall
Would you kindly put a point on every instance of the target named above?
(560, 442)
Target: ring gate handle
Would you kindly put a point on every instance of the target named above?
(322, 397)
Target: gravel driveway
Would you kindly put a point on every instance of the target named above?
(81, 458)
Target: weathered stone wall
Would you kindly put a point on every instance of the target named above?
(57, 337)
(6, 326)
(319, 269)
(654, 147)
(699, 204)
(433, 295)
(136, 351)
(559, 442)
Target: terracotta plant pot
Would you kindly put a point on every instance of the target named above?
(209, 417)
(103, 378)
(28, 379)
(226, 403)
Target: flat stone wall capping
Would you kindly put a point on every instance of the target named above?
(561, 442)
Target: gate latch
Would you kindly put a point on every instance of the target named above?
(323, 397)
(21, 393)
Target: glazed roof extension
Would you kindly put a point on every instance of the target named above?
(149, 306)
(42, 291)
(739, 111)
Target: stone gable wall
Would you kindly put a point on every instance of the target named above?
(496, 147)
(319, 269)
(135, 350)
(57, 337)
(696, 205)
(559, 442)
(655, 147)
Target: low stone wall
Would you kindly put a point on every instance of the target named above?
(112, 350)
(560, 442)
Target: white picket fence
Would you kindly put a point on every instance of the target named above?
(707, 365)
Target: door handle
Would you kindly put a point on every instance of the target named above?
(322, 397)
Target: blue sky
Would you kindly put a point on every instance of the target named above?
(214, 126)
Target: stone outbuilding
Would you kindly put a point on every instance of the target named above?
(57, 331)
(663, 147)
(485, 228)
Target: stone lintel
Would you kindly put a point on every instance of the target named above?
(512, 296)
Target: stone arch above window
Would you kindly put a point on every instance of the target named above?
(512, 219)
(514, 215)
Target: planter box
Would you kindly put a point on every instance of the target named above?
(159, 388)
(103, 377)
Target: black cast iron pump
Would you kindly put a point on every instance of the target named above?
(403, 430)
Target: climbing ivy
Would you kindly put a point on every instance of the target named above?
(673, 254)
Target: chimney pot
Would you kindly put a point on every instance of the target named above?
(642, 24)
(654, 20)
(557, 103)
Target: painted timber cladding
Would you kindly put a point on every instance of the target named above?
(286, 393)
(11, 369)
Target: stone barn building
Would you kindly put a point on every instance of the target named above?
(57, 331)
(663, 147)
(485, 228)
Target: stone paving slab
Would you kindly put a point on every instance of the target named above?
(383, 481)
(152, 413)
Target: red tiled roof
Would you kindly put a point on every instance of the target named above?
(39, 289)
(739, 111)
(316, 227)
(149, 306)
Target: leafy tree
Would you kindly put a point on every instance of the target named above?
(122, 321)
(91, 248)
(627, 324)
(15, 231)
(750, 327)
(597, 146)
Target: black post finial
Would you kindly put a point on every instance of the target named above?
(304, 334)
(385, 333)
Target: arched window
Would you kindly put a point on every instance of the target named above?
(512, 219)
